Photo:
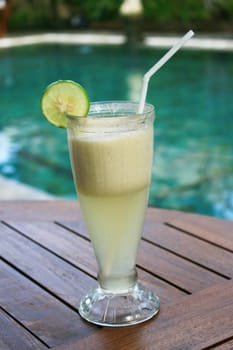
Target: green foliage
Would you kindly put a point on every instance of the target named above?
(98, 10)
(176, 10)
(37, 14)
(28, 15)
(226, 8)
(160, 11)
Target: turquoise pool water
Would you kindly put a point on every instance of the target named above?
(193, 164)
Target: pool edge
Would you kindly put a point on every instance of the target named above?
(199, 42)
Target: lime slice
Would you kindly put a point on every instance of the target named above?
(61, 98)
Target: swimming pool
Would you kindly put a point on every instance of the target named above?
(193, 163)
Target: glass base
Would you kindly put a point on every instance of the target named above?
(134, 306)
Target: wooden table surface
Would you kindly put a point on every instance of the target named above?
(47, 264)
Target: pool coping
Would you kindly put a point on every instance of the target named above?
(15, 190)
(200, 42)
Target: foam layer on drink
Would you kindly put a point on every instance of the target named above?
(107, 164)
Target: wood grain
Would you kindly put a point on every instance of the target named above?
(41, 313)
(195, 323)
(14, 336)
(60, 241)
(177, 270)
(190, 247)
(42, 210)
(217, 231)
(48, 263)
(74, 250)
(228, 345)
(47, 269)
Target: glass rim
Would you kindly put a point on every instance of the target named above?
(131, 113)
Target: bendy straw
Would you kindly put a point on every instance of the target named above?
(158, 65)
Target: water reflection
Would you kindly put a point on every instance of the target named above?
(193, 165)
(134, 83)
(8, 152)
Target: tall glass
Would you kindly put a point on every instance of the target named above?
(111, 156)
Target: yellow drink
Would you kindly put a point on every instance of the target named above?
(111, 155)
(112, 175)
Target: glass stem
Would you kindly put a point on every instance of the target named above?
(118, 283)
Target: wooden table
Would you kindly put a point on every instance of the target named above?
(47, 264)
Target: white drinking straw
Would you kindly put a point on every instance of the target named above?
(158, 65)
